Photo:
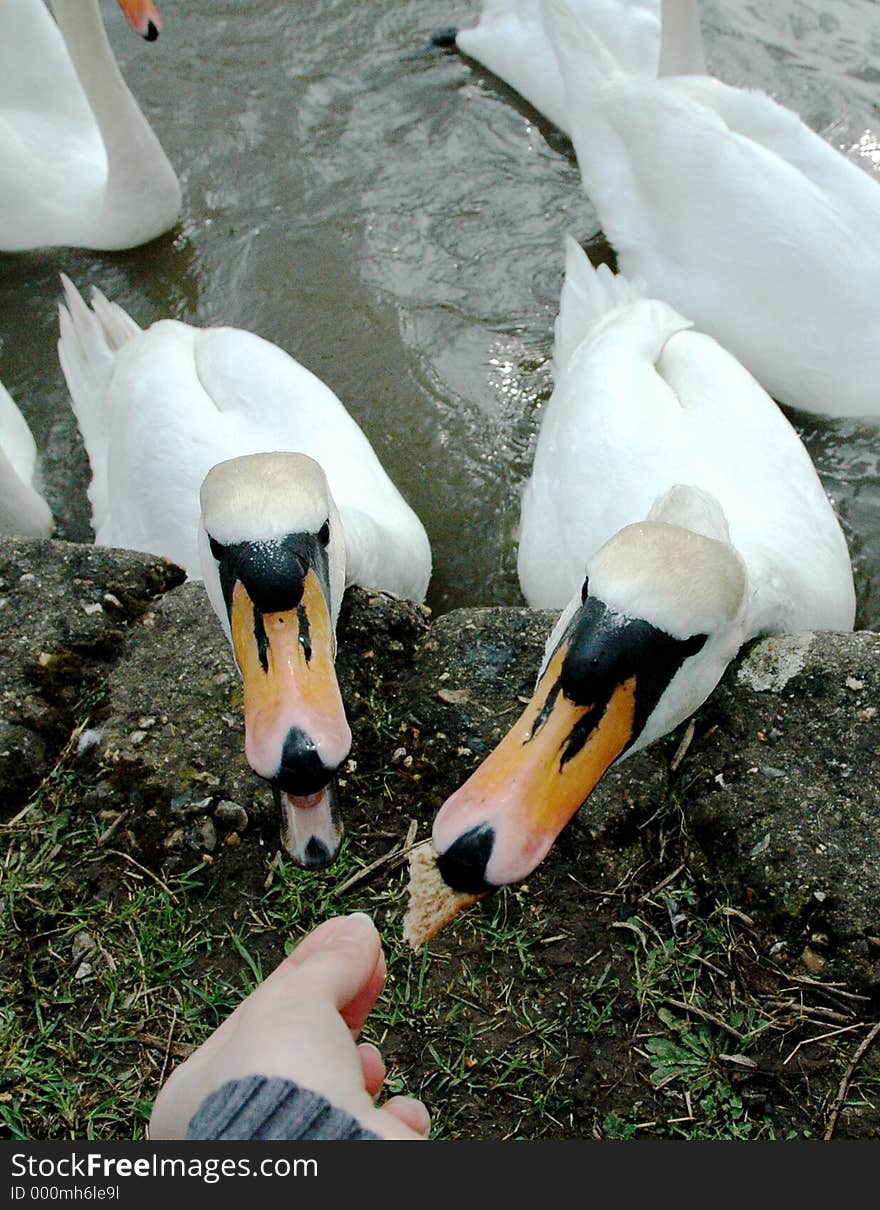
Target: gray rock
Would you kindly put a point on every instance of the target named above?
(181, 672)
(206, 835)
(231, 815)
(82, 946)
(64, 610)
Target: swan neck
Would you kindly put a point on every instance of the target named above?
(681, 43)
(133, 151)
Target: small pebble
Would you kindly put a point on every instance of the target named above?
(232, 814)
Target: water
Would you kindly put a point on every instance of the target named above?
(393, 216)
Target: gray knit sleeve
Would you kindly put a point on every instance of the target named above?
(259, 1108)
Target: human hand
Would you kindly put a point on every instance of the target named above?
(301, 1024)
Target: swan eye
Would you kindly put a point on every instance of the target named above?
(218, 550)
(324, 533)
(585, 591)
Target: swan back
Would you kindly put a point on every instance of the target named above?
(512, 42)
(643, 403)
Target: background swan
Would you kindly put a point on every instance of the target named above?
(82, 166)
(737, 214)
(511, 41)
(663, 467)
(295, 507)
(23, 510)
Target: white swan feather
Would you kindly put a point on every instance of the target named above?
(83, 168)
(734, 212)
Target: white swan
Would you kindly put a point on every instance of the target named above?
(663, 467)
(511, 41)
(82, 166)
(23, 510)
(737, 214)
(278, 534)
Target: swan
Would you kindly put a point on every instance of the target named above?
(216, 449)
(83, 167)
(511, 41)
(665, 469)
(23, 510)
(737, 214)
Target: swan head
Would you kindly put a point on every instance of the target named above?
(143, 17)
(273, 561)
(661, 613)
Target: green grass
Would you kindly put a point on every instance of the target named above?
(640, 1021)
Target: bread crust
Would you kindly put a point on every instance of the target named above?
(432, 904)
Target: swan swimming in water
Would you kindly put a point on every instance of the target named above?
(216, 449)
(732, 210)
(665, 469)
(83, 166)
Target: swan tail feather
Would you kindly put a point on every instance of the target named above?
(119, 327)
(87, 346)
(588, 292)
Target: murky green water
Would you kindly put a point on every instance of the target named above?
(393, 217)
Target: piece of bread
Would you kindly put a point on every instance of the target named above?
(432, 904)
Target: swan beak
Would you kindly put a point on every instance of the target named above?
(503, 821)
(143, 17)
(296, 732)
(310, 828)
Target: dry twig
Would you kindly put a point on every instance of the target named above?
(706, 1016)
(143, 869)
(831, 1033)
(180, 1050)
(169, 1042)
(393, 855)
(664, 882)
(682, 747)
(863, 1048)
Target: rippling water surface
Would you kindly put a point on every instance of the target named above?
(393, 217)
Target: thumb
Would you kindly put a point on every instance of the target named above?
(336, 962)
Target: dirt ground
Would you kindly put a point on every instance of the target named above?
(613, 995)
(610, 996)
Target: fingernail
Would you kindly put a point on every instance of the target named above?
(355, 927)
